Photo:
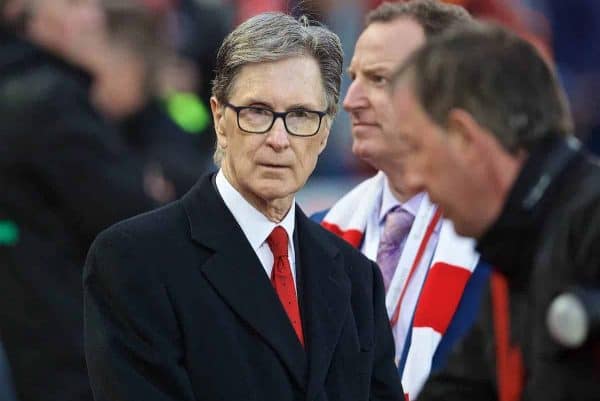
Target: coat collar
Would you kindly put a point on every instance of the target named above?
(237, 275)
(532, 198)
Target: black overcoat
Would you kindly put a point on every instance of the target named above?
(178, 307)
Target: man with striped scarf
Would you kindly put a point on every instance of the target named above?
(431, 283)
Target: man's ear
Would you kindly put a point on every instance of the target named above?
(463, 130)
(218, 113)
(327, 121)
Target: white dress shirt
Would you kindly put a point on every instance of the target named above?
(255, 226)
(376, 220)
(373, 233)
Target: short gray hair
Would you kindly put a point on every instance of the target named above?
(433, 16)
(275, 36)
(496, 76)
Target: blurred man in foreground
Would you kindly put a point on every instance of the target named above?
(390, 223)
(489, 136)
(232, 293)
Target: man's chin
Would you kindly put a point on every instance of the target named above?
(462, 227)
(271, 190)
(364, 154)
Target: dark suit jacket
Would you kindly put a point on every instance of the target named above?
(178, 307)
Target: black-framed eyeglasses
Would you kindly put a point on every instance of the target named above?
(259, 120)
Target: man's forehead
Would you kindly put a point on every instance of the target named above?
(388, 43)
(265, 83)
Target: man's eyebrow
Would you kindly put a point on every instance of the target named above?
(379, 68)
(296, 106)
(257, 103)
(302, 106)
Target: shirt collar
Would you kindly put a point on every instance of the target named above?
(254, 224)
(389, 201)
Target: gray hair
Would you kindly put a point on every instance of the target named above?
(275, 36)
(433, 16)
(499, 78)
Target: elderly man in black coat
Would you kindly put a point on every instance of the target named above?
(232, 293)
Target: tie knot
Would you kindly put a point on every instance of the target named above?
(278, 242)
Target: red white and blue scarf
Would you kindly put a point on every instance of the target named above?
(449, 268)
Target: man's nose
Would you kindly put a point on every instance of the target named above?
(278, 137)
(355, 97)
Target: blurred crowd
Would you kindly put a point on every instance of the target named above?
(163, 61)
(104, 114)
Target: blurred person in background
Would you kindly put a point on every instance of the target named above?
(232, 292)
(516, 15)
(210, 20)
(65, 174)
(7, 392)
(200, 27)
(488, 134)
(427, 268)
(132, 72)
(248, 8)
(576, 49)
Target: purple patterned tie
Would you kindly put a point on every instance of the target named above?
(397, 226)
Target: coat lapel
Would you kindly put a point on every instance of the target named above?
(326, 298)
(238, 277)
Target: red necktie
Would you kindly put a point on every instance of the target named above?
(282, 279)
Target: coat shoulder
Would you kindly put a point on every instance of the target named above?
(151, 238)
(152, 227)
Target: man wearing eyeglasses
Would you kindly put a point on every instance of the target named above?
(232, 293)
